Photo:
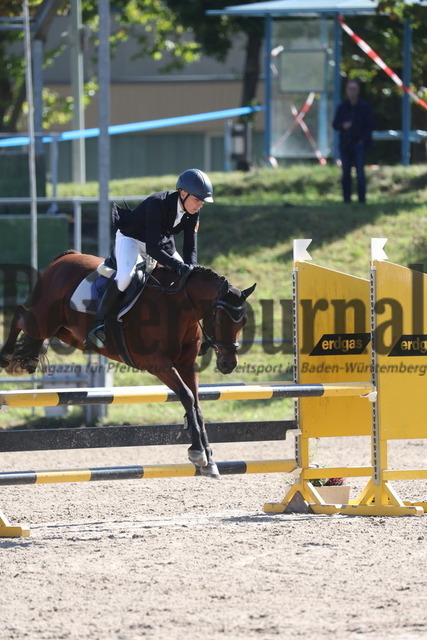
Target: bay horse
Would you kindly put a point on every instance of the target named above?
(162, 331)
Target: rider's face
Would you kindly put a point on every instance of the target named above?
(192, 204)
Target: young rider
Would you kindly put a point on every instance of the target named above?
(149, 230)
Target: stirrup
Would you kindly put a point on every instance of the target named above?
(96, 337)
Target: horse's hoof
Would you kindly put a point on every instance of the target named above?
(5, 360)
(210, 471)
(198, 458)
(16, 369)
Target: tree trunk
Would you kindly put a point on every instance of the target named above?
(5, 88)
(18, 103)
(250, 80)
(252, 68)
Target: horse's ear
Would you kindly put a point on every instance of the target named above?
(247, 292)
(225, 287)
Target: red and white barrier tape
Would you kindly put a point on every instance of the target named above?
(380, 62)
(302, 124)
(273, 54)
(302, 113)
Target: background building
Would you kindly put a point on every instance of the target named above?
(140, 91)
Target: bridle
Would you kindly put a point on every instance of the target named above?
(235, 313)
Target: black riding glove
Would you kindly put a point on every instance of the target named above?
(183, 268)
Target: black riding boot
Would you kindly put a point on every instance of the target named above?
(109, 304)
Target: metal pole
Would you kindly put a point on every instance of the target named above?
(322, 134)
(104, 240)
(37, 52)
(31, 148)
(406, 100)
(77, 81)
(54, 160)
(77, 219)
(227, 145)
(268, 89)
(337, 80)
(53, 164)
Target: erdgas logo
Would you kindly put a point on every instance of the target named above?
(410, 345)
(335, 344)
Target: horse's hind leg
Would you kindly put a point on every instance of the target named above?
(6, 353)
(19, 357)
(26, 357)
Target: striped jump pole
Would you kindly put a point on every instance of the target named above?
(145, 472)
(128, 395)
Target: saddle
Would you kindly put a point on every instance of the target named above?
(89, 292)
(87, 296)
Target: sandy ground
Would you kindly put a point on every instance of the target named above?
(196, 559)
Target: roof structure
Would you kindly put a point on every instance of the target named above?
(273, 9)
(286, 8)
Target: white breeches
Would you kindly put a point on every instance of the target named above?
(128, 252)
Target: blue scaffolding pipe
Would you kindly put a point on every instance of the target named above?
(406, 99)
(137, 126)
(337, 81)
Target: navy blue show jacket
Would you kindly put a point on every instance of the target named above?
(152, 222)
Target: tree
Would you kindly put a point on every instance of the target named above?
(161, 37)
(216, 34)
(384, 33)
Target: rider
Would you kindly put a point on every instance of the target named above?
(148, 230)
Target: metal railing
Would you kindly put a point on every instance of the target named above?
(76, 203)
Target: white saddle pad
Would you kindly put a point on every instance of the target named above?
(85, 299)
(82, 298)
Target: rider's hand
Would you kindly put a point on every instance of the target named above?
(184, 268)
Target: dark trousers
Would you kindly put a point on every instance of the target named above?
(353, 155)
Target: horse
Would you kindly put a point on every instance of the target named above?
(162, 331)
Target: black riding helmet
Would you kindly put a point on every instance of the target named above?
(197, 184)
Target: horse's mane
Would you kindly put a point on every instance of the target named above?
(64, 253)
(208, 273)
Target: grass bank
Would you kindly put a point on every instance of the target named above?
(247, 236)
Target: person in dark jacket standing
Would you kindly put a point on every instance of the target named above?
(355, 122)
(148, 231)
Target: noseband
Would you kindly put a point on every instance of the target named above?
(236, 314)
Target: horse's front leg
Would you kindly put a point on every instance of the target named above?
(191, 379)
(168, 374)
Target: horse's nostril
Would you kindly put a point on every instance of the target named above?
(227, 367)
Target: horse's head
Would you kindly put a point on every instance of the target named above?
(229, 318)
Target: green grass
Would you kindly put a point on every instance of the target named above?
(300, 183)
(247, 235)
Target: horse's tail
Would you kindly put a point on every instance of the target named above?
(64, 253)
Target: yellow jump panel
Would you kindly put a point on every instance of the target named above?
(333, 345)
(401, 352)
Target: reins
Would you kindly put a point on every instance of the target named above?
(229, 309)
(207, 339)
